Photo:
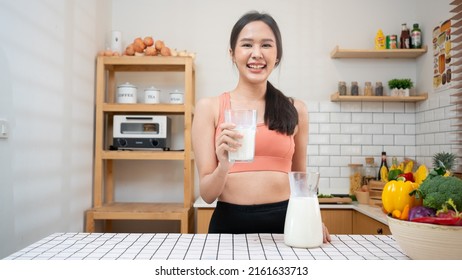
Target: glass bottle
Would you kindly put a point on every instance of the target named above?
(416, 37)
(378, 89)
(368, 89)
(354, 88)
(383, 163)
(342, 88)
(370, 170)
(405, 38)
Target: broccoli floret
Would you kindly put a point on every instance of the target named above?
(439, 189)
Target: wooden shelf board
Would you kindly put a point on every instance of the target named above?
(345, 98)
(146, 63)
(143, 155)
(161, 108)
(388, 53)
(140, 211)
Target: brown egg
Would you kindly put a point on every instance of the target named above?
(101, 53)
(148, 41)
(108, 53)
(165, 51)
(130, 50)
(139, 46)
(115, 54)
(138, 40)
(159, 44)
(150, 51)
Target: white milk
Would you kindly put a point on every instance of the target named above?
(303, 226)
(246, 151)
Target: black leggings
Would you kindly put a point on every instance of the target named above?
(262, 218)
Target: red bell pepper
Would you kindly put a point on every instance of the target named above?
(409, 176)
(447, 221)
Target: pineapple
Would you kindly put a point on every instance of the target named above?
(445, 160)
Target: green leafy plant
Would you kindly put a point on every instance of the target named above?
(444, 159)
(400, 83)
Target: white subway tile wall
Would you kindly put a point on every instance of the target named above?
(347, 132)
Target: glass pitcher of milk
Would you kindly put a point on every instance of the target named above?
(303, 225)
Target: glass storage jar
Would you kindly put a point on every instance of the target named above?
(370, 170)
(356, 177)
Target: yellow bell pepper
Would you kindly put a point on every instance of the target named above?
(420, 174)
(396, 199)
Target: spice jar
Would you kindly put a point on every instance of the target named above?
(368, 89)
(342, 88)
(378, 89)
(354, 88)
(356, 177)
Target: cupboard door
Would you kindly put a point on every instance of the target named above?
(363, 224)
(338, 221)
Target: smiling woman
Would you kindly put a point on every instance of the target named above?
(251, 197)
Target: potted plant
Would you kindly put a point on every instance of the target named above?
(400, 87)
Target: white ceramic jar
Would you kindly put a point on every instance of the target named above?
(176, 97)
(152, 95)
(126, 93)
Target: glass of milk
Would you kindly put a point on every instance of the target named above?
(246, 125)
(303, 225)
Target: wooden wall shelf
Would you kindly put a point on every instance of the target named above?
(337, 52)
(360, 98)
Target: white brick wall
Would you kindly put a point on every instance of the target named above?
(347, 132)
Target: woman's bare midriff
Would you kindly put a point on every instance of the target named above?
(259, 187)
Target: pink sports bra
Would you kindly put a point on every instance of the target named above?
(273, 150)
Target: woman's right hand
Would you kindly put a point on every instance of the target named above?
(227, 142)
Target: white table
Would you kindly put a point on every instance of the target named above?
(173, 246)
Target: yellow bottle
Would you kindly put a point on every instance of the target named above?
(380, 40)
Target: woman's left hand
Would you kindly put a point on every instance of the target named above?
(325, 234)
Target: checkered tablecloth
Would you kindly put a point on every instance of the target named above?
(168, 246)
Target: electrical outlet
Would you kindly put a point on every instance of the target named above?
(3, 129)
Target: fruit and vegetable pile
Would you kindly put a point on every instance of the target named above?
(422, 196)
(147, 46)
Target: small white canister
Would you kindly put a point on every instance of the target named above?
(151, 95)
(176, 97)
(126, 93)
(116, 42)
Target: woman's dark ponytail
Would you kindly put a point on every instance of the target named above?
(280, 112)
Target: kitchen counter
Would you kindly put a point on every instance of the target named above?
(174, 246)
(373, 212)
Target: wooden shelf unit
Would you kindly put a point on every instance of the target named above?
(387, 53)
(104, 207)
(337, 52)
(361, 98)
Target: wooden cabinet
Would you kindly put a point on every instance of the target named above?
(347, 221)
(104, 206)
(338, 221)
(203, 219)
(363, 224)
(339, 53)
